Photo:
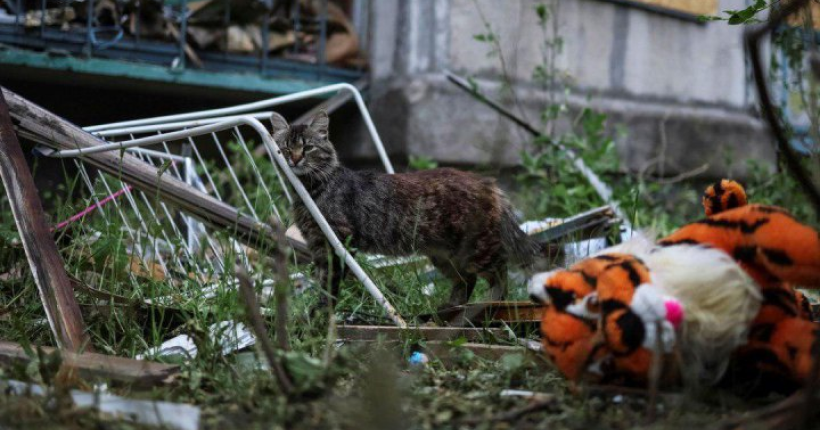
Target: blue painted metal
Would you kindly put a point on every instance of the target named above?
(259, 70)
(183, 16)
(149, 72)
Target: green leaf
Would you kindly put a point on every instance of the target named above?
(512, 362)
(458, 342)
(543, 13)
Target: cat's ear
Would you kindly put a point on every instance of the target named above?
(280, 126)
(320, 124)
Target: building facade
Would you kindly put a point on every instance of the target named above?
(677, 88)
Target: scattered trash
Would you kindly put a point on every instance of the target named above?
(232, 336)
(169, 415)
(532, 395)
(418, 358)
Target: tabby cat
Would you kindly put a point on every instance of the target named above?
(461, 221)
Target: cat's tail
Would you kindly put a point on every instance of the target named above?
(520, 248)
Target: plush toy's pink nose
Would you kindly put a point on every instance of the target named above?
(674, 312)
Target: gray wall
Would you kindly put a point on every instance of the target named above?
(678, 88)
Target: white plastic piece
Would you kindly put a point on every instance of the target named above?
(232, 337)
(167, 415)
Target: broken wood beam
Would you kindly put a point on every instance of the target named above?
(97, 367)
(390, 333)
(449, 354)
(47, 266)
(61, 134)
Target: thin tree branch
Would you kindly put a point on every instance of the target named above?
(281, 288)
(753, 38)
(516, 414)
(257, 324)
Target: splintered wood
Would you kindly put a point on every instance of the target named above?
(47, 266)
(100, 367)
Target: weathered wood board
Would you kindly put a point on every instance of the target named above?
(92, 366)
(47, 266)
(391, 333)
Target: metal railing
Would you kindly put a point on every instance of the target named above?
(54, 26)
(177, 145)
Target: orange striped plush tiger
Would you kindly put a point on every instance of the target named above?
(717, 292)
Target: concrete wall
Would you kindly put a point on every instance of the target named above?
(679, 88)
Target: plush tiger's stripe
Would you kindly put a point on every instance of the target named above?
(764, 239)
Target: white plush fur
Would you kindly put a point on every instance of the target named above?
(719, 300)
(536, 287)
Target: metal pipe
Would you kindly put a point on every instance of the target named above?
(297, 25)
(89, 29)
(137, 23)
(42, 19)
(226, 24)
(265, 30)
(602, 189)
(183, 31)
(322, 39)
(255, 106)
(177, 125)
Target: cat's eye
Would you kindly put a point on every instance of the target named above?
(308, 148)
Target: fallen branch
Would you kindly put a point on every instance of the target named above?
(753, 38)
(516, 414)
(783, 414)
(280, 288)
(602, 189)
(258, 326)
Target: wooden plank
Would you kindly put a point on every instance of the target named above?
(481, 313)
(100, 367)
(47, 267)
(391, 333)
(58, 133)
(449, 354)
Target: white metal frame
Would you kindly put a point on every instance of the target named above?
(189, 125)
(163, 123)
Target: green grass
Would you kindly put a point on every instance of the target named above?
(345, 386)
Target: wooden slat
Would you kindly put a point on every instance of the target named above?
(449, 354)
(47, 267)
(389, 333)
(100, 367)
(61, 134)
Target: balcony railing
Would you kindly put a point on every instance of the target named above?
(313, 40)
